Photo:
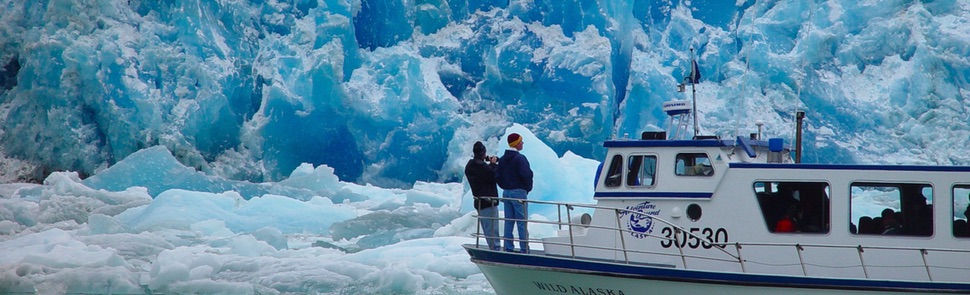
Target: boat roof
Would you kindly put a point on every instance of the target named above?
(749, 146)
(686, 143)
(804, 166)
(669, 143)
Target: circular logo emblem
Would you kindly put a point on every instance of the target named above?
(640, 219)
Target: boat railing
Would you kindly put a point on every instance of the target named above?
(859, 249)
(565, 220)
(565, 209)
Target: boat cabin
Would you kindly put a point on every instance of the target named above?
(673, 201)
(656, 167)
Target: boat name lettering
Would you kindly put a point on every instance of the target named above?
(698, 237)
(570, 289)
(640, 220)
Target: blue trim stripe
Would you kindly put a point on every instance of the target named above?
(851, 167)
(606, 268)
(676, 195)
(664, 143)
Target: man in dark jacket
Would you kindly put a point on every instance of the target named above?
(514, 176)
(481, 178)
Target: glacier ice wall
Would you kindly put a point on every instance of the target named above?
(392, 92)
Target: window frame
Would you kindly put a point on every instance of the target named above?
(617, 159)
(686, 172)
(907, 214)
(653, 179)
(775, 203)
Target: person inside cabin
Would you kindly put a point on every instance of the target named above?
(865, 225)
(791, 199)
(480, 171)
(785, 225)
(922, 222)
(699, 165)
(813, 208)
(877, 225)
(960, 228)
(779, 206)
(916, 214)
(890, 222)
(701, 169)
(966, 213)
(633, 175)
(514, 176)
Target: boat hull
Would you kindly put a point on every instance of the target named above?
(515, 273)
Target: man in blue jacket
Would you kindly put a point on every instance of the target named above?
(514, 176)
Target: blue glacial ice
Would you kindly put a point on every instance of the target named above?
(385, 92)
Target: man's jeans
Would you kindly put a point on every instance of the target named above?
(518, 211)
(488, 218)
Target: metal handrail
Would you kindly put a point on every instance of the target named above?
(734, 258)
(618, 211)
(611, 248)
(860, 249)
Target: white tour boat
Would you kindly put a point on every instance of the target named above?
(742, 216)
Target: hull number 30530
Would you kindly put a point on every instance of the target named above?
(697, 237)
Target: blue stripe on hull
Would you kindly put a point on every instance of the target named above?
(648, 272)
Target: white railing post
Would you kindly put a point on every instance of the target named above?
(799, 248)
(740, 259)
(677, 232)
(626, 258)
(862, 261)
(478, 231)
(559, 214)
(923, 253)
(569, 218)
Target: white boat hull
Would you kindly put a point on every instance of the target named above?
(537, 273)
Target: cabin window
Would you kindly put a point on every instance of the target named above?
(961, 211)
(693, 164)
(794, 207)
(615, 175)
(642, 170)
(891, 209)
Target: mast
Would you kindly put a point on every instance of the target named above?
(693, 91)
(799, 115)
(693, 78)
